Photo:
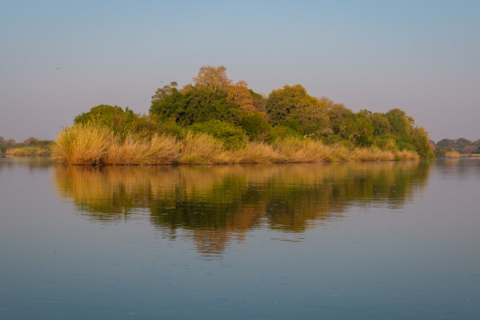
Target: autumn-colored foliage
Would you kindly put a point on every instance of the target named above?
(217, 120)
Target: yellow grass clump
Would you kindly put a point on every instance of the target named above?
(28, 152)
(83, 144)
(202, 149)
(452, 154)
(92, 144)
(257, 152)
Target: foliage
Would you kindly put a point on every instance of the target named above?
(212, 78)
(162, 92)
(256, 127)
(460, 145)
(94, 144)
(233, 138)
(229, 112)
(3, 147)
(122, 122)
(29, 140)
(280, 133)
(195, 106)
(30, 151)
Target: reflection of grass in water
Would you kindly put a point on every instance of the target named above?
(197, 198)
(294, 193)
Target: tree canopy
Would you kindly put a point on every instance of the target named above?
(215, 104)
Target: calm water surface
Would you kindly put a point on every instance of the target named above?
(304, 241)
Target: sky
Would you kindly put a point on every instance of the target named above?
(60, 58)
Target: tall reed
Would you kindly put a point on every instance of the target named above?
(82, 144)
(90, 144)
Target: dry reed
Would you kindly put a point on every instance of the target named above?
(90, 144)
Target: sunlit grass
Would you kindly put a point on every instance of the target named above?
(91, 144)
(28, 152)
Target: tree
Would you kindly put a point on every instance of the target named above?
(122, 122)
(9, 142)
(312, 115)
(421, 143)
(195, 105)
(240, 95)
(256, 127)
(462, 143)
(381, 125)
(29, 141)
(401, 124)
(446, 143)
(281, 103)
(2, 139)
(162, 92)
(213, 78)
(470, 149)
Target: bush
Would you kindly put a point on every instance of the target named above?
(334, 139)
(281, 132)
(385, 143)
(233, 138)
(3, 148)
(256, 127)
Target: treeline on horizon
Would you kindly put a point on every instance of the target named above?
(238, 119)
(455, 147)
(29, 147)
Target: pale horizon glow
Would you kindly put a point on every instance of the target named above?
(421, 57)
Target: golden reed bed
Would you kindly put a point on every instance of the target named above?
(91, 145)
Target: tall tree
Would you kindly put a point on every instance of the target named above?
(162, 92)
(213, 78)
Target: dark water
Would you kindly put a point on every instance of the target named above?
(307, 241)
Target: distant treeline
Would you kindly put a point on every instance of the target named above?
(236, 115)
(29, 147)
(451, 146)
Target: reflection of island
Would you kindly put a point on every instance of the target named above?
(217, 204)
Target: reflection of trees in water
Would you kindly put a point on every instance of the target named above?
(459, 168)
(217, 204)
(33, 164)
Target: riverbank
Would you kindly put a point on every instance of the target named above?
(96, 145)
(28, 152)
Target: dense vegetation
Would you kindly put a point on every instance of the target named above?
(238, 121)
(456, 147)
(30, 147)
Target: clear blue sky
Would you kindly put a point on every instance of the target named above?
(419, 56)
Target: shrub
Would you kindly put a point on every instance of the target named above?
(405, 146)
(281, 132)
(3, 148)
(256, 127)
(233, 138)
(385, 143)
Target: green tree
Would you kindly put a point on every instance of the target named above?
(121, 121)
(256, 127)
(162, 92)
(282, 103)
(380, 123)
(194, 106)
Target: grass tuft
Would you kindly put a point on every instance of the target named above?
(88, 144)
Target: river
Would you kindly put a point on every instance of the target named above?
(388, 240)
